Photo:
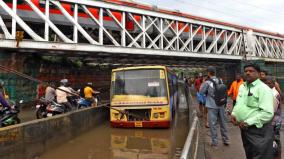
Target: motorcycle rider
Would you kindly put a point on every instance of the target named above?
(50, 92)
(72, 97)
(3, 96)
(2, 90)
(89, 92)
(61, 94)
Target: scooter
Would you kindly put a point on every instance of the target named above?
(84, 103)
(48, 108)
(9, 116)
(55, 109)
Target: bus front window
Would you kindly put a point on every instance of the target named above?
(148, 83)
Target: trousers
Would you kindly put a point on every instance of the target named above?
(215, 116)
(258, 142)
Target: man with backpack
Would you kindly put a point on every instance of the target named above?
(216, 98)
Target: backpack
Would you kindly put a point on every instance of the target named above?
(220, 93)
(81, 92)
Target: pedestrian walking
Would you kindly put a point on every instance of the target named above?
(216, 113)
(234, 89)
(199, 97)
(253, 113)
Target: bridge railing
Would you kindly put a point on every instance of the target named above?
(107, 24)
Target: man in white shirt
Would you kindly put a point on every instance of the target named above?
(62, 93)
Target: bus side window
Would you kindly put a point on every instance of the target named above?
(170, 83)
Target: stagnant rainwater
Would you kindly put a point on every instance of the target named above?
(105, 142)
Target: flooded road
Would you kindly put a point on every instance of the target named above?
(27, 114)
(104, 142)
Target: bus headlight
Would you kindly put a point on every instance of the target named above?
(116, 115)
(162, 114)
(156, 115)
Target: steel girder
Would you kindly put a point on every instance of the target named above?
(179, 36)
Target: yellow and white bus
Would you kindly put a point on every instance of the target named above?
(144, 96)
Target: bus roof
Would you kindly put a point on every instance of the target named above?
(140, 67)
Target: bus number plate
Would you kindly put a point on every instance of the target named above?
(138, 124)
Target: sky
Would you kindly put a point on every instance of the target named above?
(266, 15)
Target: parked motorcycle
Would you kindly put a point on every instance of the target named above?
(9, 116)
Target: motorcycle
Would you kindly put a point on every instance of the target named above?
(84, 103)
(73, 100)
(9, 116)
(41, 111)
(48, 108)
(55, 109)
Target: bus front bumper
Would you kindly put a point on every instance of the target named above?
(144, 124)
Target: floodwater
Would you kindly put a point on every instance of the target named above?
(105, 142)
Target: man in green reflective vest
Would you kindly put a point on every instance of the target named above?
(253, 113)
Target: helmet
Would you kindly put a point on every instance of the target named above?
(64, 82)
(89, 83)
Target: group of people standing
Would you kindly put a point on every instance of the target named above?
(256, 110)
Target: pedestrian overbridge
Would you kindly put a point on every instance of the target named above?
(119, 27)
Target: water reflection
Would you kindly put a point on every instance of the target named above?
(139, 146)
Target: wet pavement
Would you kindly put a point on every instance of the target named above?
(235, 149)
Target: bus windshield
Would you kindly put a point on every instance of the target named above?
(146, 83)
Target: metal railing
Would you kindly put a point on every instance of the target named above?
(193, 146)
(100, 23)
(190, 148)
